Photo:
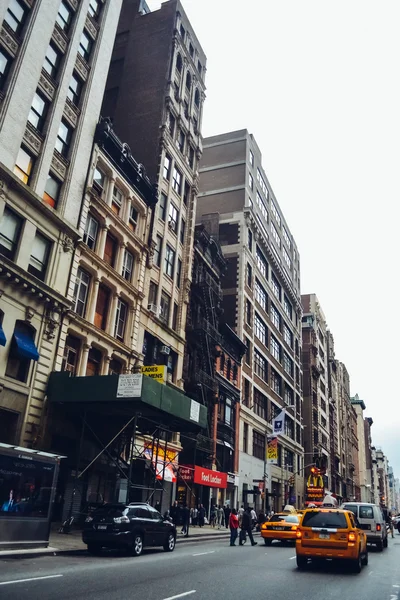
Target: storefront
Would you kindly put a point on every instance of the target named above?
(198, 485)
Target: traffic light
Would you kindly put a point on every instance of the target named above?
(291, 480)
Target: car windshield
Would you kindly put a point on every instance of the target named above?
(327, 519)
(287, 518)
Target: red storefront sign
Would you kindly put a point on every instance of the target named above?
(185, 473)
(210, 478)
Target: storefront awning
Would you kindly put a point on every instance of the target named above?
(116, 395)
(2, 337)
(26, 346)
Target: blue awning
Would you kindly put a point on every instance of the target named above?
(2, 337)
(26, 346)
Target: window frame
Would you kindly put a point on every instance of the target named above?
(121, 322)
(53, 66)
(177, 179)
(167, 167)
(11, 252)
(173, 217)
(62, 144)
(85, 52)
(47, 198)
(40, 273)
(260, 329)
(64, 25)
(258, 445)
(127, 271)
(41, 116)
(26, 175)
(88, 235)
(79, 283)
(260, 365)
(7, 62)
(76, 94)
(19, 23)
(169, 261)
(260, 295)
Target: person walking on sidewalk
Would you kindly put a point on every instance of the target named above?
(233, 526)
(185, 519)
(220, 516)
(227, 512)
(247, 527)
(202, 514)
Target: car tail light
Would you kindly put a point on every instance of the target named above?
(123, 519)
(378, 527)
(298, 534)
(294, 528)
(88, 519)
(352, 537)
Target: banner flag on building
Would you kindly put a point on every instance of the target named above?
(165, 464)
(272, 451)
(278, 424)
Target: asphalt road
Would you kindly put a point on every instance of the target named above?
(199, 571)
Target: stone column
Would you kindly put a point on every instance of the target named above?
(102, 240)
(120, 258)
(84, 359)
(112, 314)
(91, 309)
(128, 204)
(110, 191)
(105, 367)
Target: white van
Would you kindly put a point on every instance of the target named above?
(371, 520)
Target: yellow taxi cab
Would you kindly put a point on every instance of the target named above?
(331, 533)
(280, 526)
(301, 511)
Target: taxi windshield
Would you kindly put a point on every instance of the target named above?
(325, 519)
(287, 518)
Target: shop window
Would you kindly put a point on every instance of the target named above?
(23, 350)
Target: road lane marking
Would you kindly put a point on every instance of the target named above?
(30, 579)
(292, 558)
(181, 595)
(203, 553)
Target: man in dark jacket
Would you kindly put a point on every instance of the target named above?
(227, 512)
(247, 527)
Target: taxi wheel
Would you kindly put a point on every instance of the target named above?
(301, 562)
(356, 565)
(267, 542)
(365, 558)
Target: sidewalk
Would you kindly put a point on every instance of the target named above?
(71, 543)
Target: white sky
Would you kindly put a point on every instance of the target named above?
(317, 83)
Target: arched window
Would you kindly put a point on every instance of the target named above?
(222, 363)
(188, 81)
(22, 351)
(179, 63)
(197, 98)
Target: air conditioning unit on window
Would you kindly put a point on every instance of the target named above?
(153, 308)
(165, 350)
(172, 224)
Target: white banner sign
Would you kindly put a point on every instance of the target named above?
(130, 385)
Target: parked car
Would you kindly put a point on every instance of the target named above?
(330, 533)
(129, 526)
(371, 520)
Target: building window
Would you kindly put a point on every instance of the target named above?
(175, 317)
(228, 411)
(179, 63)
(115, 367)
(288, 364)
(248, 351)
(133, 218)
(10, 230)
(276, 382)
(5, 63)
(276, 287)
(99, 180)
(289, 431)
(177, 181)
(288, 397)
(275, 235)
(261, 206)
(181, 141)
(197, 98)
(258, 444)
(71, 354)
(261, 295)
(94, 8)
(127, 267)
(251, 181)
(63, 140)
(246, 392)
(245, 437)
(286, 237)
(186, 194)
(248, 312)
(262, 184)
(182, 231)
(24, 165)
(178, 273)
(199, 67)
(260, 329)
(188, 81)
(250, 240)
(169, 261)
(116, 202)
(157, 251)
(261, 262)
(75, 89)
(94, 362)
(91, 231)
(260, 366)
(85, 46)
(260, 406)
(64, 16)
(275, 317)
(52, 61)
(171, 121)
(110, 250)
(39, 256)
(173, 217)
(120, 320)
(81, 291)
(286, 257)
(102, 306)
(165, 304)
(15, 15)
(52, 190)
(275, 213)
(251, 158)
(287, 335)
(162, 207)
(287, 307)
(167, 167)
(275, 348)
(37, 114)
(22, 352)
(153, 291)
(249, 275)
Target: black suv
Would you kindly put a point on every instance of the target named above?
(130, 526)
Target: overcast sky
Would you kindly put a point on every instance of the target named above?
(317, 84)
